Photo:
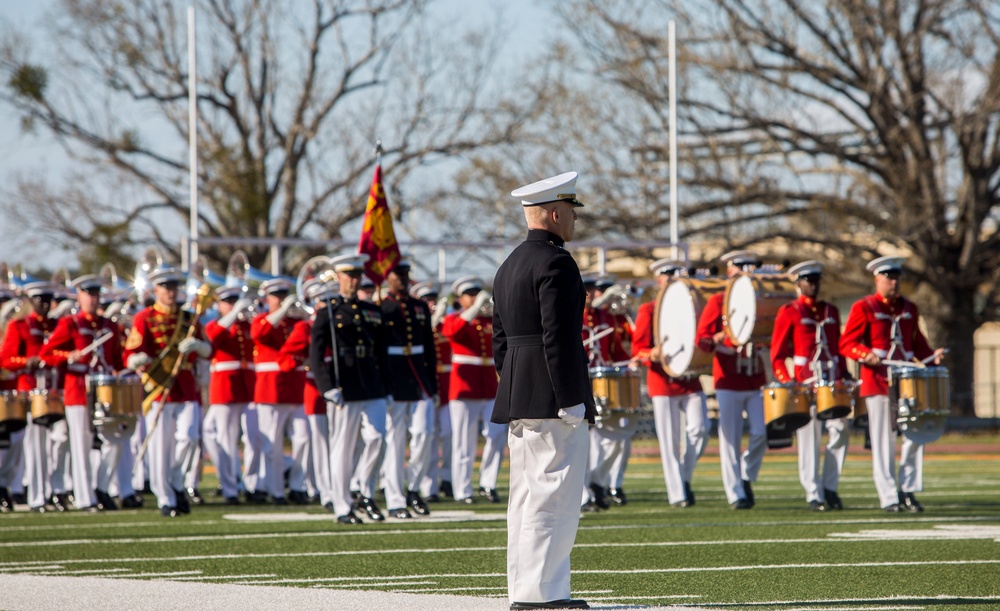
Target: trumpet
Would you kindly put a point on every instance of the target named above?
(620, 299)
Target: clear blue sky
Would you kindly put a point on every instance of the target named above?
(38, 156)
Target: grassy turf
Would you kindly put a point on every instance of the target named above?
(776, 556)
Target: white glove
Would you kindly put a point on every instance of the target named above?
(440, 309)
(239, 307)
(389, 400)
(64, 308)
(335, 396)
(278, 315)
(191, 344)
(138, 360)
(573, 416)
(472, 311)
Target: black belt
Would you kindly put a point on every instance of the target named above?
(524, 340)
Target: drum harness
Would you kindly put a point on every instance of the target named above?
(823, 363)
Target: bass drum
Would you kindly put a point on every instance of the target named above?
(675, 324)
(752, 303)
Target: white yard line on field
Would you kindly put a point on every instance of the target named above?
(900, 598)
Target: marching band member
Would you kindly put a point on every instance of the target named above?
(74, 342)
(472, 391)
(295, 354)
(231, 389)
(19, 354)
(671, 397)
(11, 457)
(807, 331)
(609, 453)
(438, 479)
(739, 375)
(278, 396)
(355, 384)
(406, 322)
(161, 334)
(881, 327)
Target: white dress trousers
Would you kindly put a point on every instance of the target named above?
(81, 440)
(548, 461)
(881, 428)
(273, 418)
(417, 418)
(736, 468)
(809, 439)
(171, 447)
(677, 467)
(440, 463)
(469, 419)
(368, 419)
(319, 431)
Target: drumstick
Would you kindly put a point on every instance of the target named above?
(590, 340)
(933, 356)
(94, 344)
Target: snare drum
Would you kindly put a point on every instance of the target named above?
(834, 399)
(13, 411)
(616, 389)
(47, 406)
(786, 409)
(922, 399)
(752, 303)
(678, 308)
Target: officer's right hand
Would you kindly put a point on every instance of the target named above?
(335, 396)
(871, 359)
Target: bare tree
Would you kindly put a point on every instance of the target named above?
(291, 99)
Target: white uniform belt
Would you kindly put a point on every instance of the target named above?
(270, 366)
(802, 361)
(880, 353)
(231, 366)
(468, 359)
(405, 350)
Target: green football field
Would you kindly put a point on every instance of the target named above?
(777, 556)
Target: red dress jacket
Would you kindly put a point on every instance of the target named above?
(294, 355)
(726, 367)
(794, 338)
(23, 340)
(273, 385)
(232, 367)
(76, 333)
(152, 329)
(658, 383)
(869, 329)
(473, 371)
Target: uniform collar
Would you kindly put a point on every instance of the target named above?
(162, 309)
(889, 301)
(809, 301)
(544, 235)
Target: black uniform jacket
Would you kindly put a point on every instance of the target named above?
(407, 324)
(537, 324)
(361, 369)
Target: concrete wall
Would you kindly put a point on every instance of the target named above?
(987, 371)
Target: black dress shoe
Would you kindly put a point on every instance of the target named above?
(328, 506)
(417, 504)
(369, 507)
(490, 494)
(618, 496)
(196, 497)
(182, 502)
(432, 499)
(816, 506)
(600, 498)
(742, 504)
(298, 497)
(832, 499)
(466, 501)
(257, 497)
(689, 493)
(232, 500)
(279, 501)
(911, 503)
(6, 502)
(894, 508)
(748, 491)
(681, 504)
(445, 489)
(588, 507)
(104, 501)
(566, 603)
(132, 502)
(400, 514)
(19, 498)
(169, 512)
(348, 518)
(60, 501)
(41, 509)
(355, 495)
(218, 491)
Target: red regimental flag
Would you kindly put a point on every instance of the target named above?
(378, 240)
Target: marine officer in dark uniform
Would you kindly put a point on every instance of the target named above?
(354, 382)
(410, 337)
(544, 395)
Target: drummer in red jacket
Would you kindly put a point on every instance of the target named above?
(883, 327)
(671, 398)
(807, 331)
(739, 375)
